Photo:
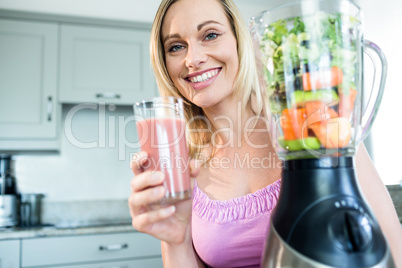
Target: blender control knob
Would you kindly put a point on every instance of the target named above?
(351, 230)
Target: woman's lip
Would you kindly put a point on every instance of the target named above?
(201, 72)
(202, 85)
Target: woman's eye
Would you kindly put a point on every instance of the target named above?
(211, 36)
(175, 48)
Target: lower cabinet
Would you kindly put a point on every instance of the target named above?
(122, 250)
(148, 263)
(10, 254)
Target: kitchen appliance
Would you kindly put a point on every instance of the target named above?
(310, 63)
(31, 209)
(8, 194)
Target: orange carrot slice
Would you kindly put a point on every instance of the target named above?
(322, 79)
(333, 133)
(347, 103)
(318, 111)
(292, 123)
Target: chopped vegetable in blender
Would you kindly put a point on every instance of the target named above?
(311, 143)
(292, 124)
(347, 102)
(309, 66)
(333, 133)
(322, 79)
(317, 111)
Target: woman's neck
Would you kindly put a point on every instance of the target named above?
(230, 123)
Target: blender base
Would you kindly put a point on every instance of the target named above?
(279, 254)
(323, 220)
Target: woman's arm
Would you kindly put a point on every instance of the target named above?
(179, 255)
(381, 203)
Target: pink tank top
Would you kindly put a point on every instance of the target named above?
(232, 233)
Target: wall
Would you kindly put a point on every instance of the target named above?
(129, 10)
(118, 9)
(383, 26)
(93, 162)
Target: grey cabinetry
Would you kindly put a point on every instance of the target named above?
(144, 263)
(28, 85)
(10, 253)
(130, 250)
(105, 64)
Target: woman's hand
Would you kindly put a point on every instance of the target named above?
(169, 223)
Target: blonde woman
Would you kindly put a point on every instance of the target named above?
(202, 52)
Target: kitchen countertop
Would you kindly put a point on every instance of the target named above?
(76, 218)
(53, 231)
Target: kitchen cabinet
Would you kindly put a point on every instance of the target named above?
(132, 249)
(121, 264)
(48, 60)
(105, 64)
(10, 253)
(28, 84)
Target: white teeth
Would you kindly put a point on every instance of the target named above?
(204, 77)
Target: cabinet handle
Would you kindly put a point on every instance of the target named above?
(108, 96)
(113, 247)
(49, 108)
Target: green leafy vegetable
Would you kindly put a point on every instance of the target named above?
(301, 44)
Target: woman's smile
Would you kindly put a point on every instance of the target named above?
(203, 79)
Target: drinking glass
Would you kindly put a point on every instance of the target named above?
(161, 131)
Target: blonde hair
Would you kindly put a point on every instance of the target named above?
(246, 84)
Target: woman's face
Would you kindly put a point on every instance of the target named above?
(200, 50)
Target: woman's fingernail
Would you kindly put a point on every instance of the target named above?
(168, 210)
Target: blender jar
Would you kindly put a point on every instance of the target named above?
(310, 59)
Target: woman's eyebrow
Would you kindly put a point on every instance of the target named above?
(169, 36)
(199, 27)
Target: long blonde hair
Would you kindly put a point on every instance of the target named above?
(246, 84)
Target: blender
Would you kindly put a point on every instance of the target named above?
(310, 62)
(8, 194)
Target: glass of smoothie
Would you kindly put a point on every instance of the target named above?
(161, 131)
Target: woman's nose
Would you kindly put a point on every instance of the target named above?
(195, 57)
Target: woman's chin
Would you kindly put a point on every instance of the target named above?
(203, 102)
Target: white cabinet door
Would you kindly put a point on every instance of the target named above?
(10, 253)
(75, 250)
(100, 64)
(28, 80)
(144, 263)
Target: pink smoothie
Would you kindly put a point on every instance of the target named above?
(164, 141)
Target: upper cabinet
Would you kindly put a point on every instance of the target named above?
(47, 60)
(105, 64)
(28, 85)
